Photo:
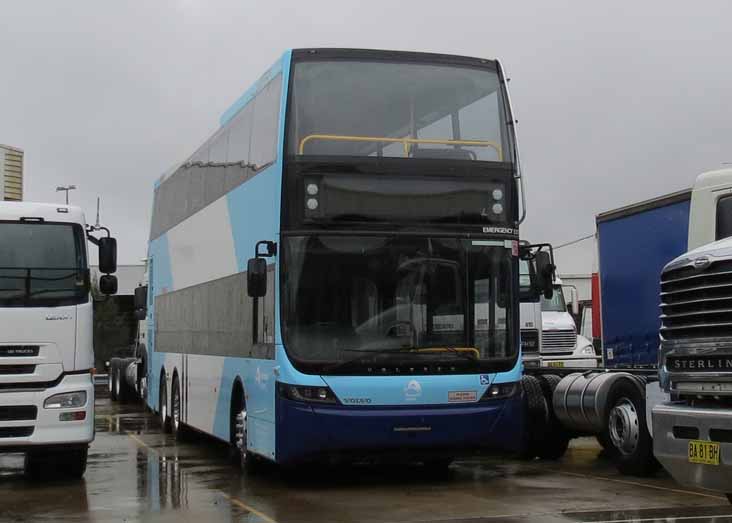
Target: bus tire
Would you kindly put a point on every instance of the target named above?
(632, 445)
(176, 423)
(536, 417)
(163, 405)
(110, 379)
(556, 440)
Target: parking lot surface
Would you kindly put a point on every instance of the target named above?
(138, 473)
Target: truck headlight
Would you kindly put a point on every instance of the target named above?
(67, 400)
(589, 350)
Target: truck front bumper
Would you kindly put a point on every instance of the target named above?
(674, 425)
(42, 427)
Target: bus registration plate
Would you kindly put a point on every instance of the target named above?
(704, 452)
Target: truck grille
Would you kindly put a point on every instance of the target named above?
(14, 351)
(18, 412)
(16, 432)
(697, 303)
(530, 341)
(558, 340)
(6, 370)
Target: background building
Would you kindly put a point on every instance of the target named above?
(11, 173)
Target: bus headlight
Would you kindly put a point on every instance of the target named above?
(497, 194)
(67, 400)
(307, 393)
(500, 391)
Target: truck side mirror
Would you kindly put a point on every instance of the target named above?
(256, 277)
(107, 255)
(108, 284)
(141, 302)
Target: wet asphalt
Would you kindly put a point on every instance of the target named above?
(138, 473)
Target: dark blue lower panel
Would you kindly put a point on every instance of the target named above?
(314, 432)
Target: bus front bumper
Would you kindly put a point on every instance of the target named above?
(25, 424)
(675, 426)
(309, 432)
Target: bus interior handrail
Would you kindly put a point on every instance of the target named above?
(406, 142)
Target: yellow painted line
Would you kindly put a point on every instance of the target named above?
(235, 501)
(248, 508)
(639, 484)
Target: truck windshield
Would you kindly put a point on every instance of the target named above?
(42, 264)
(406, 300)
(557, 303)
(389, 109)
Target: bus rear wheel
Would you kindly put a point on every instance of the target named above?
(176, 426)
(163, 405)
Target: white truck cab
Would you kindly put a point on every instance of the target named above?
(561, 345)
(46, 352)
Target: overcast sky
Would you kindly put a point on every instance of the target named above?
(616, 101)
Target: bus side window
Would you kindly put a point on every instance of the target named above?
(724, 217)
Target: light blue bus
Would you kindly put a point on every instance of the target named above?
(333, 275)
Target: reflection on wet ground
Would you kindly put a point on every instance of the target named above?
(136, 473)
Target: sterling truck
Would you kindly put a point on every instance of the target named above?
(678, 413)
(46, 353)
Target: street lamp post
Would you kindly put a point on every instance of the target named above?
(66, 189)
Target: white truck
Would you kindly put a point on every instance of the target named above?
(46, 327)
(549, 336)
(693, 428)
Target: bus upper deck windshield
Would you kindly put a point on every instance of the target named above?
(398, 109)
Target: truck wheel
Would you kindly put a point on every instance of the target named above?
(536, 417)
(632, 445)
(110, 379)
(163, 406)
(123, 391)
(176, 425)
(556, 440)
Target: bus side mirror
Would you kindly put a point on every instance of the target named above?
(141, 302)
(108, 284)
(545, 274)
(256, 277)
(107, 255)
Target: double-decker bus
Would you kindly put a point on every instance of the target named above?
(334, 273)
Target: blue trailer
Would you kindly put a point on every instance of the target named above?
(634, 244)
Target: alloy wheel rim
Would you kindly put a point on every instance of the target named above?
(624, 425)
(176, 408)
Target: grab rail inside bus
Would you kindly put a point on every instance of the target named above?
(406, 142)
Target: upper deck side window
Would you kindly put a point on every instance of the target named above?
(238, 151)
